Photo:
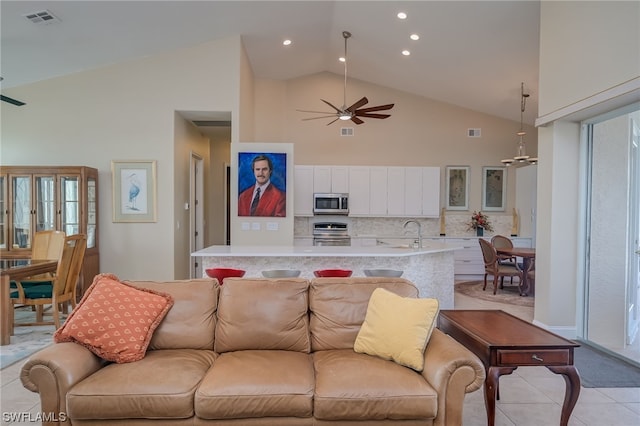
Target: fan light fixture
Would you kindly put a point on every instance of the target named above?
(355, 112)
(521, 153)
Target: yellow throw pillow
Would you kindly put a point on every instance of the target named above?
(397, 328)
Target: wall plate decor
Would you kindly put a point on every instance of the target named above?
(494, 188)
(457, 187)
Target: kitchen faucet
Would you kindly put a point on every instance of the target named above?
(419, 230)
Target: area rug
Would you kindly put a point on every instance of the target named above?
(25, 340)
(510, 294)
(598, 369)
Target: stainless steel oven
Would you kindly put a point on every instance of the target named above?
(331, 234)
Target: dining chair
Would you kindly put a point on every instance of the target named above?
(493, 267)
(59, 290)
(500, 241)
(47, 245)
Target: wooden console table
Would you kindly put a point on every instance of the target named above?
(504, 342)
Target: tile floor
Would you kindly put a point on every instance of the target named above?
(529, 396)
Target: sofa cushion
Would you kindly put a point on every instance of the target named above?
(115, 320)
(397, 328)
(338, 307)
(191, 322)
(353, 386)
(263, 314)
(160, 386)
(264, 383)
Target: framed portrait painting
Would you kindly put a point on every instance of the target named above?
(457, 187)
(262, 184)
(494, 188)
(134, 191)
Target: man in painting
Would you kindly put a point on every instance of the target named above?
(263, 198)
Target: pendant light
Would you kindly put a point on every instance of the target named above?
(521, 153)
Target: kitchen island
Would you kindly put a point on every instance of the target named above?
(430, 268)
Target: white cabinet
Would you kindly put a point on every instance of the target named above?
(395, 191)
(331, 179)
(413, 191)
(303, 191)
(378, 193)
(359, 190)
(526, 199)
(467, 260)
(431, 191)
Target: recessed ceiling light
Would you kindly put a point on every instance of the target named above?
(401, 15)
(414, 37)
(406, 53)
(341, 59)
(287, 42)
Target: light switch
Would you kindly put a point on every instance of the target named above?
(244, 226)
(272, 226)
(255, 226)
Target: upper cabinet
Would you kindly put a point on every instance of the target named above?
(49, 198)
(331, 179)
(374, 191)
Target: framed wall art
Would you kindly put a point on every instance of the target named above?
(494, 188)
(262, 184)
(134, 191)
(457, 187)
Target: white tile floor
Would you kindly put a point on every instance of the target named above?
(530, 396)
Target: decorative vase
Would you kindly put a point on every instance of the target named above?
(479, 231)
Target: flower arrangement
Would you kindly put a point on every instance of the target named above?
(480, 220)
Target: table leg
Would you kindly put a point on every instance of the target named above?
(572, 381)
(524, 285)
(5, 303)
(491, 390)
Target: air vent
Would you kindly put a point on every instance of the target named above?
(473, 133)
(212, 123)
(346, 131)
(42, 17)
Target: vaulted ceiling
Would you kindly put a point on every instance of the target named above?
(472, 54)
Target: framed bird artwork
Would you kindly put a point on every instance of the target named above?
(134, 191)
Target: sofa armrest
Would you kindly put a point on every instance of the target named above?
(453, 371)
(52, 371)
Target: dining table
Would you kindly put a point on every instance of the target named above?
(528, 256)
(16, 269)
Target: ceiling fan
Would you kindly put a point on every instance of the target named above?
(12, 101)
(354, 112)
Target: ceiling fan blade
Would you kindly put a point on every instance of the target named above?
(331, 105)
(315, 118)
(358, 104)
(11, 100)
(317, 112)
(376, 108)
(369, 115)
(333, 121)
(356, 120)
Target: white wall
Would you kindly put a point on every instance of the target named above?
(124, 112)
(586, 48)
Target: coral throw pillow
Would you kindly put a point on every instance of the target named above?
(397, 328)
(115, 320)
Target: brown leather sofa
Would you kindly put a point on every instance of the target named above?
(282, 355)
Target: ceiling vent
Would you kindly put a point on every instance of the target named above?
(212, 123)
(474, 133)
(346, 131)
(42, 17)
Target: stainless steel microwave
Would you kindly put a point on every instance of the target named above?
(330, 203)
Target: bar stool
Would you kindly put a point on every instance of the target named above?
(281, 273)
(338, 273)
(221, 273)
(382, 273)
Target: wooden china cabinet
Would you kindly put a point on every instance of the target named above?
(40, 198)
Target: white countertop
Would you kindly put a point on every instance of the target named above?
(321, 251)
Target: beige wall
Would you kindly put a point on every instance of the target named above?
(586, 49)
(125, 112)
(420, 131)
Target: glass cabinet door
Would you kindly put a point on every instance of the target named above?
(92, 215)
(3, 212)
(21, 211)
(70, 204)
(45, 207)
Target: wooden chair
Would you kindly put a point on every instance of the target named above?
(500, 241)
(61, 288)
(493, 267)
(47, 245)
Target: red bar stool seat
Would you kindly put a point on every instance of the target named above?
(338, 273)
(221, 273)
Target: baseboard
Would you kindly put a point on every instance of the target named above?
(563, 331)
